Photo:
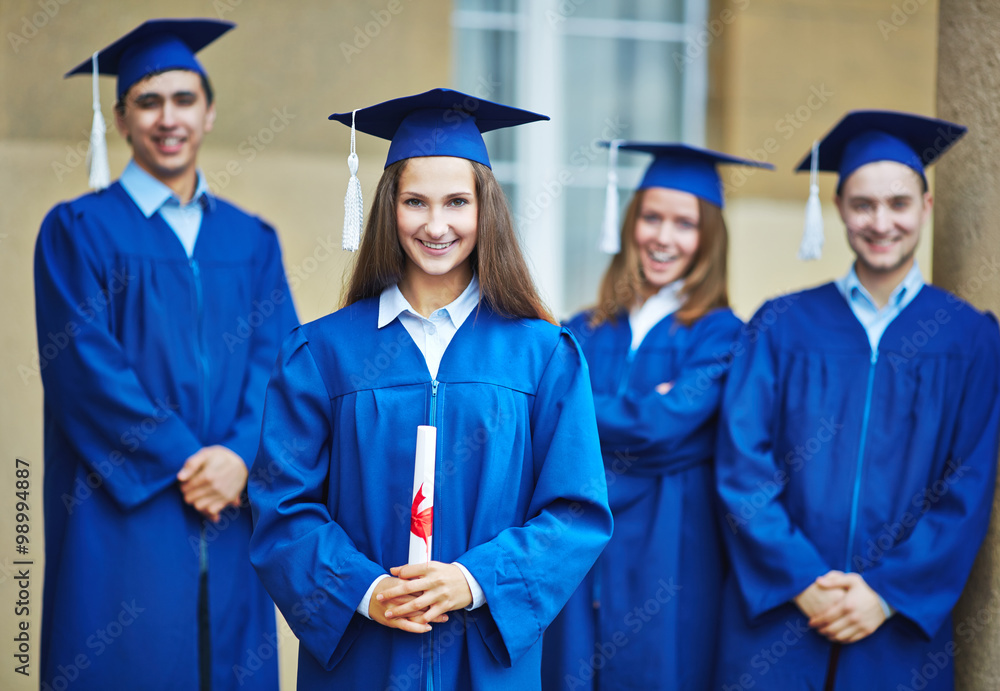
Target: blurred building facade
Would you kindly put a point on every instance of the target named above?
(755, 78)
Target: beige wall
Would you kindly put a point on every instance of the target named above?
(284, 56)
(782, 73)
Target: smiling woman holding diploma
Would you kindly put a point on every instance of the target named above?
(441, 326)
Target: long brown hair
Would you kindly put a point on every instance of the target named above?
(504, 280)
(704, 284)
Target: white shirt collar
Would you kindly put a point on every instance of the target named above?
(642, 318)
(149, 194)
(667, 297)
(853, 291)
(391, 304)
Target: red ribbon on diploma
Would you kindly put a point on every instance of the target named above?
(421, 522)
(421, 541)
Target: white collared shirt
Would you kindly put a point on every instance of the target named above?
(874, 320)
(152, 196)
(432, 336)
(642, 318)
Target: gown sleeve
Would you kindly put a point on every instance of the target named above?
(92, 392)
(306, 561)
(271, 292)
(772, 558)
(923, 576)
(661, 434)
(528, 572)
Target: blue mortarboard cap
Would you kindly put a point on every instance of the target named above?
(439, 122)
(155, 46)
(675, 166)
(867, 136)
(686, 168)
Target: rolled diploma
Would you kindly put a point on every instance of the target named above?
(422, 506)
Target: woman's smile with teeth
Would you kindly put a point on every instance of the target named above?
(436, 245)
(661, 257)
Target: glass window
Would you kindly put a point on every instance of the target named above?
(614, 72)
(488, 5)
(639, 10)
(479, 73)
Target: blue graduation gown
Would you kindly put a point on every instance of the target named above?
(520, 498)
(146, 357)
(832, 457)
(658, 583)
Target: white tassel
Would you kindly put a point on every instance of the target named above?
(812, 234)
(354, 209)
(610, 241)
(97, 157)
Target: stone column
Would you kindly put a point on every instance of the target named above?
(966, 261)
